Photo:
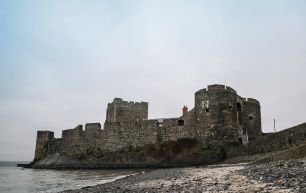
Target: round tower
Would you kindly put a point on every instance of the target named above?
(251, 118)
(217, 112)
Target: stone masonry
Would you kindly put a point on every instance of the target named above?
(220, 117)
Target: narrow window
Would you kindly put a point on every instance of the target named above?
(239, 107)
(230, 107)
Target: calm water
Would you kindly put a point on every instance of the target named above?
(18, 180)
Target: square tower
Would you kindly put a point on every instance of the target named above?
(123, 113)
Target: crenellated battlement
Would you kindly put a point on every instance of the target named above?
(220, 87)
(201, 91)
(216, 87)
(229, 89)
(44, 131)
(44, 135)
(122, 102)
(250, 100)
(92, 126)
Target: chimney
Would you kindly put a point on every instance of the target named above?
(185, 111)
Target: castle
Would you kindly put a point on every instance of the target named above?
(219, 117)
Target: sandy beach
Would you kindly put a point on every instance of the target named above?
(218, 178)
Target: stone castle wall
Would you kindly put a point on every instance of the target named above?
(123, 113)
(281, 140)
(42, 138)
(219, 117)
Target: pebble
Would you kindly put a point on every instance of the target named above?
(281, 176)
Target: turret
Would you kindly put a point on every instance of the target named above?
(222, 115)
(251, 118)
(41, 140)
(216, 114)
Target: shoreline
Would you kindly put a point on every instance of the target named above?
(213, 178)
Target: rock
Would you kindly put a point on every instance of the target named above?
(283, 174)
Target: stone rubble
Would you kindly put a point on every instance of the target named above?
(284, 174)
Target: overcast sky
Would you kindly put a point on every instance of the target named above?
(62, 61)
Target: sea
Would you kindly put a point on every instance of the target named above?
(20, 180)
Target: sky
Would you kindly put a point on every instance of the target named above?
(62, 61)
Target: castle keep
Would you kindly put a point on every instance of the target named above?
(220, 117)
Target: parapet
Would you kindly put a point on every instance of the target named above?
(121, 102)
(220, 87)
(250, 100)
(231, 90)
(92, 127)
(72, 133)
(45, 135)
(118, 100)
(216, 87)
(201, 91)
(141, 104)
